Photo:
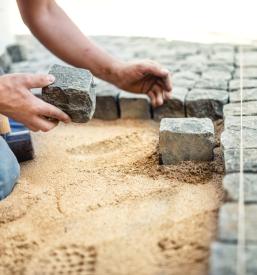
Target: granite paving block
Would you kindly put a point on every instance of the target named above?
(234, 109)
(107, 106)
(206, 103)
(247, 73)
(217, 75)
(185, 79)
(231, 139)
(192, 66)
(232, 160)
(226, 57)
(249, 59)
(234, 123)
(220, 65)
(247, 95)
(175, 107)
(5, 62)
(223, 260)
(248, 83)
(231, 186)
(72, 92)
(183, 139)
(134, 106)
(17, 53)
(218, 84)
(228, 223)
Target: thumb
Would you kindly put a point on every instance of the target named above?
(38, 80)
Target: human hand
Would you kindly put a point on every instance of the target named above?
(17, 102)
(145, 77)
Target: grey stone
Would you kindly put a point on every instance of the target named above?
(185, 79)
(217, 75)
(249, 59)
(175, 107)
(234, 85)
(184, 65)
(226, 57)
(218, 84)
(206, 103)
(234, 123)
(230, 139)
(134, 106)
(234, 109)
(107, 102)
(232, 160)
(184, 139)
(247, 73)
(5, 62)
(17, 53)
(72, 92)
(231, 186)
(228, 223)
(223, 260)
(248, 95)
(220, 65)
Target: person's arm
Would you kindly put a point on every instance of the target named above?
(49, 23)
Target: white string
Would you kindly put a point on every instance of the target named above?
(241, 257)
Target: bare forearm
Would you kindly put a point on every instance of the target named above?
(60, 35)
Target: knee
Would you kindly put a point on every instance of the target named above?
(9, 174)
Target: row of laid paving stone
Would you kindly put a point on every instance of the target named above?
(224, 250)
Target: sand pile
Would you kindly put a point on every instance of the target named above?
(96, 201)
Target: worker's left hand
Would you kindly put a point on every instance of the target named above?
(145, 77)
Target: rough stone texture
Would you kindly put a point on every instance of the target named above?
(234, 84)
(107, 107)
(233, 123)
(249, 59)
(134, 106)
(206, 103)
(72, 92)
(5, 62)
(232, 160)
(225, 57)
(218, 84)
(247, 73)
(220, 65)
(230, 139)
(217, 75)
(183, 139)
(175, 107)
(223, 259)
(185, 79)
(231, 185)
(248, 95)
(234, 109)
(17, 53)
(228, 222)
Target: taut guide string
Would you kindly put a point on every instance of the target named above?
(241, 253)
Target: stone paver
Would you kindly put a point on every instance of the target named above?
(232, 160)
(218, 84)
(249, 59)
(228, 223)
(107, 106)
(231, 185)
(233, 123)
(223, 259)
(234, 109)
(183, 139)
(217, 75)
(72, 92)
(248, 83)
(206, 103)
(248, 95)
(17, 53)
(247, 73)
(175, 107)
(5, 62)
(134, 106)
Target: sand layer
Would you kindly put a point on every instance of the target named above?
(96, 201)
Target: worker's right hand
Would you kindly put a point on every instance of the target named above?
(17, 102)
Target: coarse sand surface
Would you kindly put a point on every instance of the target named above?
(96, 201)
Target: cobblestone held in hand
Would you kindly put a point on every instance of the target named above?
(223, 259)
(234, 109)
(106, 102)
(234, 84)
(231, 186)
(175, 107)
(233, 123)
(134, 106)
(206, 103)
(17, 53)
(230, 139)
(72, 92)
(232, 160)
(183, 139)
(5, 62)
(228, 221)
(248, 95)
(247, 73)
